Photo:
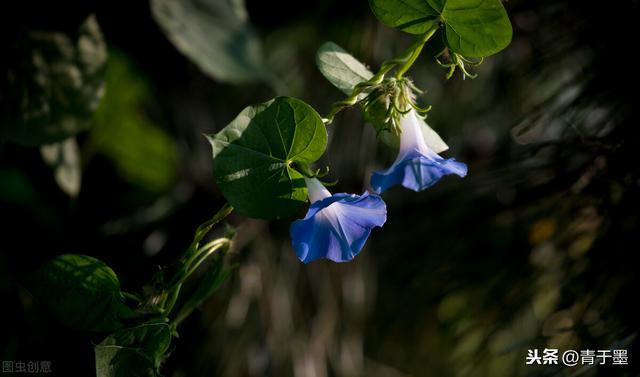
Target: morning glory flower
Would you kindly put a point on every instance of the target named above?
(336, 226)
(417, 167)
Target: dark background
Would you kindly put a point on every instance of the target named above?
(537, 247)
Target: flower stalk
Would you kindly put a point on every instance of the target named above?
(404, 61)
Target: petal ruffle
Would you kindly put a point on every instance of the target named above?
(417, 172)
(337, 227)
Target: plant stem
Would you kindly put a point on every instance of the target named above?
(192, 257)
(192, 303)
(131, 296)
(208, 249)
(203, 253)
(416, 49)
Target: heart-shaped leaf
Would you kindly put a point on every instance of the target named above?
(473, 28)
(253, 156)
(476, 28)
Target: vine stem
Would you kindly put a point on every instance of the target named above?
(203, 253)
(189, 306)
(416, 49)
(207, 251)
(194, 256)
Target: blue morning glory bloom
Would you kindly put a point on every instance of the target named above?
(417, 167)
(336, 226)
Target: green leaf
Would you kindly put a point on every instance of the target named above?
(53, 84)
(64, 159)
(215, 35)
(411, 16)
(476, 28)
(253, 156)
(340, 68)
(82, 292)
(136, 351)
(473, 28)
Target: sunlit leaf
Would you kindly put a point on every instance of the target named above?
(473, 28)
(476, 28)
(254, 154)
(340, 68)
(411, 16)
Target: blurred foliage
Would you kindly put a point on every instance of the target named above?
(143, 152)
(82, 292)
(215, 35)
(534, 249)
(64, 159)
(53, 83)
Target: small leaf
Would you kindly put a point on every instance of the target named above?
(345, 72)
(473, 28)
(340, 68)
(64, 159)
(136, 351)
(253, 156)
(215, 35)
(82, 292)
(476, 28)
